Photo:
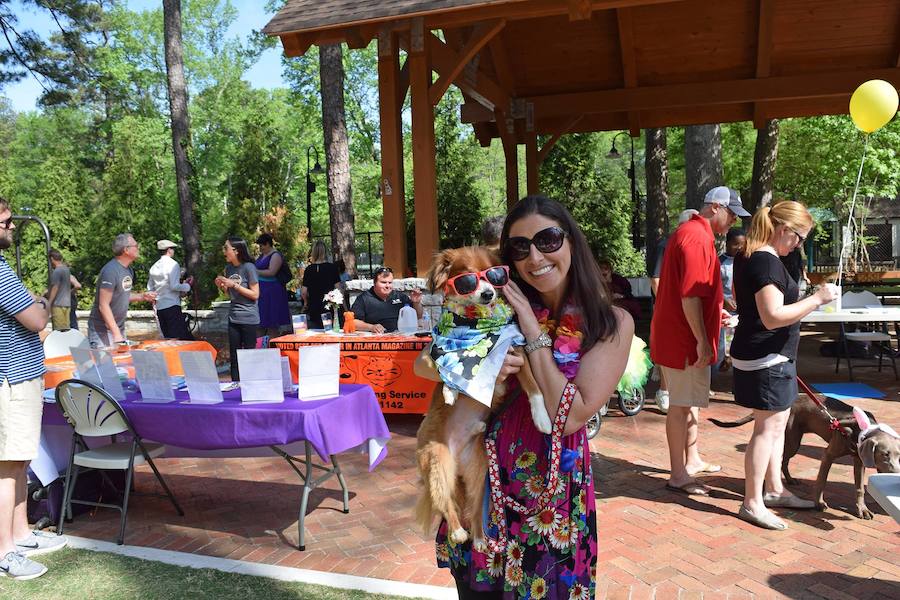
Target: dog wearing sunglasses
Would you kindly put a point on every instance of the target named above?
(450, 442)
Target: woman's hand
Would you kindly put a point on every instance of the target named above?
(519, 303)
(512, 363)
(220, 282)
(826, 293)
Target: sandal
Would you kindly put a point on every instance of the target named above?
(707, 468)
(691, 488)
(766, 521)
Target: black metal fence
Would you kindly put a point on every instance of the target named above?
(369, 250)
(826, 246)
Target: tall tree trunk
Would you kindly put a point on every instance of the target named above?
(702, 162)
(764, 158)
(181, 135)
(337, 156)
(656, 167)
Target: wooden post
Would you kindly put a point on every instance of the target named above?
(511, 154)
(423, 148)
(393, 198)
(532, 165)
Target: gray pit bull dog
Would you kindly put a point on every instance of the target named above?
(879, 449)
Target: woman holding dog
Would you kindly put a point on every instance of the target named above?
(764, 352)
(543, 544)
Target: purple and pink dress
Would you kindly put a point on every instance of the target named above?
(552, 552)
(273, 298)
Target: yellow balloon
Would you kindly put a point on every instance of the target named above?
(873, 105)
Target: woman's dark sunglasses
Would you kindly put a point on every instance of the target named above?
(465, 284)
(546, 241)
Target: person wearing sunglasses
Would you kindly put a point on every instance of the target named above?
(577, 344)
(378, 308)
(764, 351)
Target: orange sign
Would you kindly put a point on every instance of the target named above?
(384, 362)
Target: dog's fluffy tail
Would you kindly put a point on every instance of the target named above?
(438, 477)
(737, 423)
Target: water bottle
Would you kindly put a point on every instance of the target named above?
(407, 322)
(426, 320)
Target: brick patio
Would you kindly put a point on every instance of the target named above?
(654, 543)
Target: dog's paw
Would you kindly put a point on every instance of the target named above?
(449, 395)
(864, 513)
(539, 414)
(479, 545)
(459, 536)
(821, 505)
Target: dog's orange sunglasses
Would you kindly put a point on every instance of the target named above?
(465, 284)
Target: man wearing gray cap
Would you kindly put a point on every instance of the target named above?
(165, 280)
(685, 329)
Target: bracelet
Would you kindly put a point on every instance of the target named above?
(541, 341)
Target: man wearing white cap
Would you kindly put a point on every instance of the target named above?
(165, 280)
(685, 329)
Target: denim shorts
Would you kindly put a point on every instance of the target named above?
(774, 388)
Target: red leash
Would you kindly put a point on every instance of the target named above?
(835, 424)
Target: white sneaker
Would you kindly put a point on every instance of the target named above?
(662, 400)
(40, 542)
(15, 566)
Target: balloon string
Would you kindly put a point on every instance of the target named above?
(849, 236)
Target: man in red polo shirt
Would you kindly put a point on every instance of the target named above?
(685, 329)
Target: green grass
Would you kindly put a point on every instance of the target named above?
(83, 574)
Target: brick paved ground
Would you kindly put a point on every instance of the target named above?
(654, 543)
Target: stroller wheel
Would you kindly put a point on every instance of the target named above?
(604, 409)
(631, 404)
(593, 425)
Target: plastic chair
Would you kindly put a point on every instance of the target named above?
(93, 413)
(869, 333)
(59, 342)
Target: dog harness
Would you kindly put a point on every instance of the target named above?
(834, 424)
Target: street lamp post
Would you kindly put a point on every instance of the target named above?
(310, 188)
(632, 175)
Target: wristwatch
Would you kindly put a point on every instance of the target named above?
(541, 341)
(42, 302)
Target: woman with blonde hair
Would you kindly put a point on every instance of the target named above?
(319, 278)
(764, 352)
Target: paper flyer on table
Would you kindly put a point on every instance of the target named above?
(261, 379)
(318, 373)
(201, 377)
(152, 376)
(85, 369)
(287, 383)
(108, 374)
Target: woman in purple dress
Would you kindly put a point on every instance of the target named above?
(274, 312)
(542, 530)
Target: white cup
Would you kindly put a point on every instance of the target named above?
(834, 305)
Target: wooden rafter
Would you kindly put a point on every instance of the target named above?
(481, 35)
(485, 91)
(794, 87)
(625, 21)
(579, 10)
(500, 59)
(548, 145)
(763, 52)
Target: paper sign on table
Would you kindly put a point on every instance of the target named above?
(152, 376)
(260, 372)
(319, 371)
(201, 377)
(85, 369)
(108, 374)
(287, 383)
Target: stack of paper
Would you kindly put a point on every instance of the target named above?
(261, 375)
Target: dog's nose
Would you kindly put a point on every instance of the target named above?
(487, 295)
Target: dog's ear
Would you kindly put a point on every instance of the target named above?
(867, 452)
(439, 272)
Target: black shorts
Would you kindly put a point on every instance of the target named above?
(774, 388)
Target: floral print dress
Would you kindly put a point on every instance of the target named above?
(553, 553)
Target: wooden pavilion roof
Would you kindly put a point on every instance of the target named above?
(589, 65)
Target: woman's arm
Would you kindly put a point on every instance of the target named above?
(274, 266)
(774, 313)
(251, 292)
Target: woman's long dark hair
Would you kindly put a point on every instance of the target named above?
(240, 248)
(586, 290)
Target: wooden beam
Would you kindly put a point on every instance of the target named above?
(485, 91)
(481, 35)
(500, 60)
(548, 145)
(404, 80)
(393, 197)
(793, 87)
(532, 165)
(474, 112)
(625, 20)
(580, 10)
(510, 155)
(296, 44)
(423, 148)
(763, 51)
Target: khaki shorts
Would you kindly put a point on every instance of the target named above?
(21, 407)
(688, 387)
(59, 316)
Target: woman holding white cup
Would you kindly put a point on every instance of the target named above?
(764, 352)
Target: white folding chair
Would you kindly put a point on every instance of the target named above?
(94, 413)
(59, 342)
(872, 333)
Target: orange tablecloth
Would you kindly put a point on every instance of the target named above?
(61, 368)
(384, 362)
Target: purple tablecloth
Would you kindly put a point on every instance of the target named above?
(350, 421)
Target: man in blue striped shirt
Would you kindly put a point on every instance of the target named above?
(22, 316)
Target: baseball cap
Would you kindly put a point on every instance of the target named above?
(727, 197)
(165, 244)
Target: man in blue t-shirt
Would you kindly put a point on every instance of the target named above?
(22, 316)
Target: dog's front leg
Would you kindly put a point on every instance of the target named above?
(859, 477)
(832, 452)
(535, 398)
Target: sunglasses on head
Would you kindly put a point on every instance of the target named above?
(381, 271)
(546, 240)
(465, 284)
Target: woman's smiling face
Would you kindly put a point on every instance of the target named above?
(545, 272)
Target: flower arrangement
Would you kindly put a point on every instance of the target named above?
(334, 299)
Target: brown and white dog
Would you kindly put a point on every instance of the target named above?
(450, 450)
